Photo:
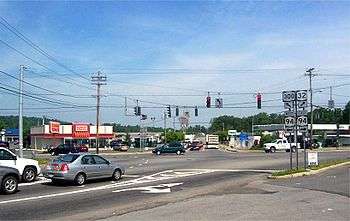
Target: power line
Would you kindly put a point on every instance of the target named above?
(42, 65)
(15, 31)
(38, 87)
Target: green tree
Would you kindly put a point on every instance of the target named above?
(174, 136)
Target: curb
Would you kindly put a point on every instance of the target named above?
(308, 173)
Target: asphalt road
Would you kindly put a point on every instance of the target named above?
(152, 182)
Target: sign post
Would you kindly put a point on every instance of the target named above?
(295, 118)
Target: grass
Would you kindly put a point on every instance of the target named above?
(300, 170)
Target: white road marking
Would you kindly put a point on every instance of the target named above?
(161, 188)
(164, 175)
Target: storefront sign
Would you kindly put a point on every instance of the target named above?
(81, 130)
(54, 127)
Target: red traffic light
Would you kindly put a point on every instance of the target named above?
(258, 100)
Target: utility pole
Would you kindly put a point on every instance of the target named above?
(296, 134)
(20, 114)
(310, 75)
(98, 80)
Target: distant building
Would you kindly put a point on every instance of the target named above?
(9, 135)
(76, 133)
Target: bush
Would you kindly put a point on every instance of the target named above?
(266, 139)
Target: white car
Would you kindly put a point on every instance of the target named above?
(280, 144)
(29, 169)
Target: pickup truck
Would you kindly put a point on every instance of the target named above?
(280, 144)
(28, 169)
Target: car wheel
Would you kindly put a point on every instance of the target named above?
(178, 152)
(9, 185)
(158, 152)
(272, 149)
(80, 179)
(29, 174)
(117, 175)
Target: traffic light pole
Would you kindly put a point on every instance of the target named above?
(164, 127)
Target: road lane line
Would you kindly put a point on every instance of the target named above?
(160, 176)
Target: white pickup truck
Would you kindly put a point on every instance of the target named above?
(29, 169)
(280, 144)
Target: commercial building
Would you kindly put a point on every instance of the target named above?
(76, 133)
(9, 135)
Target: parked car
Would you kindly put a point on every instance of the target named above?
(9, 178)
(67, 148)
(82, 148)
(195, 145)
(28, 169)
(169, 148)
(119, 145)
(79, 168)
(280, 144)
(4, 144)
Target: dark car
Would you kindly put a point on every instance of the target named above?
(82, 148)
(119, 145)
(169, 148)
(4, 144)
(63, 149)
(9, 178)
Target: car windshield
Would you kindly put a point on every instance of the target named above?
(69, 158)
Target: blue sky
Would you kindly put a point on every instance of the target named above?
(277, 40)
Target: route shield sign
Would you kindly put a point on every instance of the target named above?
(288, 96)
(289, 121)
(301, 95)
(302, 121)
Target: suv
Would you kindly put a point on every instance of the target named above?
(9, 178)
(170, 148)
(119, 145)
(28, 169)
(4, 144)
(63, 149)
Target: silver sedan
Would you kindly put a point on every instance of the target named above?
(81, 167)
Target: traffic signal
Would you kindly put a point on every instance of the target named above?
(137, 111)
(196, 111)
(219, 103)
(258, 100)
(169, 111)
(208, 101)
(177, 111)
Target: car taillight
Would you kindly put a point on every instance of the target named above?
(64, 167)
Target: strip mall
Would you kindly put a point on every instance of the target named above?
(54, 134)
